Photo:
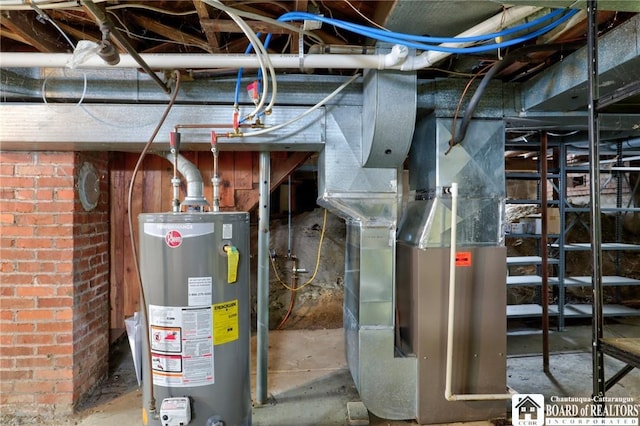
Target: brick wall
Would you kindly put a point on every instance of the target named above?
(54, 287)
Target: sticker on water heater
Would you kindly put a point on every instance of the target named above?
(225, 322)
(181, 345)
(166, 363)
(200, 291)
(227, 231)
(187, 230)
(166, 339)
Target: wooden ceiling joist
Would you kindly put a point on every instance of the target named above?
(229, 26)
(41, 36)
(11, 35)
(78, 34)
(169, 32)
(203, 13)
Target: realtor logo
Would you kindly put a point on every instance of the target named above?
(527, 410)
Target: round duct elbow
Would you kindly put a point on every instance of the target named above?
(388, 117)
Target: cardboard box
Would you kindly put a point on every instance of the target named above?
(530, 225)
(515, 228)
(534, 222)
(553, 220)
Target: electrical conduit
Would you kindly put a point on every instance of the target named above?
(448, 394)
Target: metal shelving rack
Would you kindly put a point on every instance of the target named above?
(624, 349)
(563, 246)
(543, 279)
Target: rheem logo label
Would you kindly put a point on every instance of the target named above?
(173, 238)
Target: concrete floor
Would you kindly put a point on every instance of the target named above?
(310, 384)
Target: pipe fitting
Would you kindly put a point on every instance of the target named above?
(195, 186)
(398, 54)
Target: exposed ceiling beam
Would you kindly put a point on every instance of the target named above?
(11, 35)
(41, 36)
(563, 86)
(79, 34)
(229, 26)
(169, 32)
(203, 13)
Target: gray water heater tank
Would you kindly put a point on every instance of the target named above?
(195, 276)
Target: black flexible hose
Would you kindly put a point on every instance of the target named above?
(507, 60)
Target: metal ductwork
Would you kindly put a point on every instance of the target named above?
(368, 199)
(396, 277)
(477, 165)
(195, 184)
(388, 117)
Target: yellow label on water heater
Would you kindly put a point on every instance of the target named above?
(225, 322)
(233, 258)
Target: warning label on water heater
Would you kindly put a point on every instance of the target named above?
(181, 345)
(225, 322)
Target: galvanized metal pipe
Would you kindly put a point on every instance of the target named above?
(544, 251)
(103, 19)
(594, 169)
(263, 279)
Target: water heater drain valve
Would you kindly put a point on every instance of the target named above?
(175, 411)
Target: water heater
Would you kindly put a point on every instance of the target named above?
(195, 276)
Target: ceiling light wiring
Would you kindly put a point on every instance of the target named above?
(133, 35)
(335, 30)
(21, 5)
(150, 8)
(355, 9)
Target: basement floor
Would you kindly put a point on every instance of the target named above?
(309, 383)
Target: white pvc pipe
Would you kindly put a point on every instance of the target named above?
(448, 394)
(162, 61)
(496, 23)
